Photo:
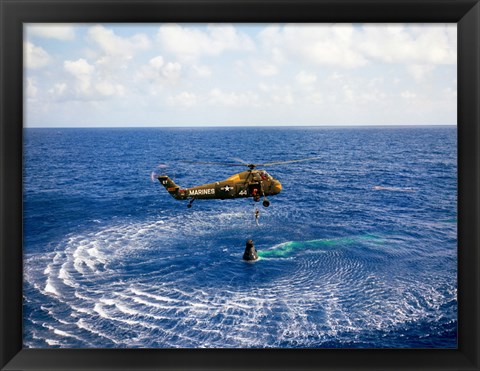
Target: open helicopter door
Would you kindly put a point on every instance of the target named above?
(255, 190)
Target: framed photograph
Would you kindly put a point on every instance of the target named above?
(240, 185)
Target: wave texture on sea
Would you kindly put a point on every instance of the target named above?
(357, 251)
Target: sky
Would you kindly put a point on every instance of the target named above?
(148, 75)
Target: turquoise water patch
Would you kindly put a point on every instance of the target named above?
(286, 249)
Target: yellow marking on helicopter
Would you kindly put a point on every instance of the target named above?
(234, 178)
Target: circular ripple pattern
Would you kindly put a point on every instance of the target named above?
(299, 294)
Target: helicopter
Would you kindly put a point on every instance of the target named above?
(253, 183)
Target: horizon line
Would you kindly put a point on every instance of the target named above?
(238, 126)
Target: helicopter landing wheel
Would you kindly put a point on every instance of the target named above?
(190, 203)
(266, 203)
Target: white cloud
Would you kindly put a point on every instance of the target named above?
(58, 90)
(396, 43)
(264, 68)
(114, 45)
(62, 32)
(351, 90)
(32, 89)
(79, 67)
(35, 56)
(408, 94)
(172, 71)
(156, 62)
(82, 71)
(202, 71)
(332, 45)
(274, 94)
(420, 72)
(348, 93)
(305, 78)
(285, 98)
(106, 88)
(325, 45)
(217, 97)
(348, 46)
(316, 98)
(336, 76)
(184, 99)
(89, 83)
(188, 43)
(103, 73)
(271, 40)
(158, 72)
(450, 92)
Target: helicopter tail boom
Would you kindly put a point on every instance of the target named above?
(169, 185)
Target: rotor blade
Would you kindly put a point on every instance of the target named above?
(288, 162)
(154, 174)
(240, 160)
(212, 163)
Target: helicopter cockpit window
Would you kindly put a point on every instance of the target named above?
(265, 175)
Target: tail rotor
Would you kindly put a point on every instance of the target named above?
(155, 172)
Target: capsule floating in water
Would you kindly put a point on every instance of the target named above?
(250, 253)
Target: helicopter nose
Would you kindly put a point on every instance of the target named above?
(277, 187)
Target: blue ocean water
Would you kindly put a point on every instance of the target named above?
(357, 251)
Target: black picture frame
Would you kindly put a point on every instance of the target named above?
(466, 13)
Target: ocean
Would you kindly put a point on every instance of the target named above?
(359, 250)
